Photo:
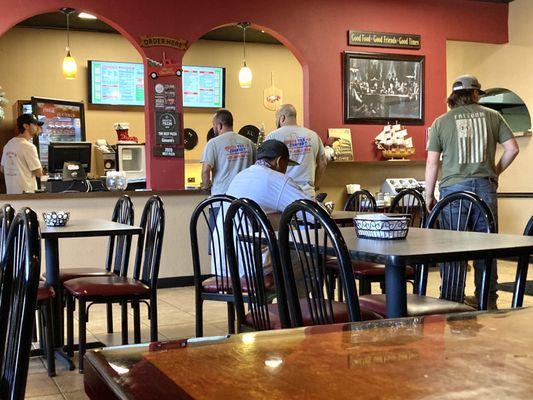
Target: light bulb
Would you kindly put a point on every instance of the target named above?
(245, 77)
(70, 68)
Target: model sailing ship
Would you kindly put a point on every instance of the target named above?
(394, 143)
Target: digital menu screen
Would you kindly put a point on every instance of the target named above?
(122, 84)
(116, 83)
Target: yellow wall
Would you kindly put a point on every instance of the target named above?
(246, 105)
(509, 66)
(31, 66)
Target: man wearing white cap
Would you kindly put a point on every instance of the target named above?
(467, 137)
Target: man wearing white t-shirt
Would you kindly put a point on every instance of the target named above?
(305, 147)
(20, 161)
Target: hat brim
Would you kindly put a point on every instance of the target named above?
(292, 162)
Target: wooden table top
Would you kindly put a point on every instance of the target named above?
(469, 355)
(87, 228)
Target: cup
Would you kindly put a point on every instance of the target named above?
(116, 180)
(352, 188)
(380, 199)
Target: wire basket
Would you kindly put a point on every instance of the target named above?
(381, 226)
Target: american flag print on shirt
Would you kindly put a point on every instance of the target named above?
(471, 137)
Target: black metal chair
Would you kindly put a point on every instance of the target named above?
(19, 280)
(118, 289)
(249, 240)
(410, 201)
(304, 232)
(362, 201)
(446, 215)
(522, 270)
(218, 287)
(118, 253)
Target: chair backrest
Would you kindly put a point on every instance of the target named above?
(528, 231)
(118, 250)
(207, 212)
(7, 213)
(305, 231)
(150, 242)
(522, 270)
(361, 201)
(252, 250)
(19, 280)
(410, 201)
(459, 211)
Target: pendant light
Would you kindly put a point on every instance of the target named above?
(70, 68)
(245, 73)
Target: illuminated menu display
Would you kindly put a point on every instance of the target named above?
(117, 83)
(203, 87)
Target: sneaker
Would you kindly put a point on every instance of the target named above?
(473, 302)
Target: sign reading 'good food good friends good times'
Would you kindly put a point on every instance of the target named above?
(380, 39)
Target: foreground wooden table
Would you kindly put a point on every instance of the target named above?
(471, 355)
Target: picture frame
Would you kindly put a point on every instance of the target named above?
(383, 88)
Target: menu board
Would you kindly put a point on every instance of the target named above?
(117, 83)
(203, 87)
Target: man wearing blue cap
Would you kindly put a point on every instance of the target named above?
(20, 161)
(467, 137)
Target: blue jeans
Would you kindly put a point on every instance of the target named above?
(486, 188)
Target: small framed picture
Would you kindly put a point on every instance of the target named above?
(381, 88)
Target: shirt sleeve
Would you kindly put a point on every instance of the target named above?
(505, 132)
(208, 156)
(32, 158)
(434, 143)
(289, 193)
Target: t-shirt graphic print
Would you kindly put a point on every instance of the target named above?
(236, 152)
(471, 138)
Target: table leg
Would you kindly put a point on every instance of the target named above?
(520, 281)
(51, 246)
(396, 290)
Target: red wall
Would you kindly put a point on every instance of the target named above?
(315, 30)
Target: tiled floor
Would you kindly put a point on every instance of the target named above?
(176, 320)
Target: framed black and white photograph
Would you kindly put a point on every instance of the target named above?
(382, 88)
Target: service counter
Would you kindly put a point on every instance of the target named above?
(176, 266)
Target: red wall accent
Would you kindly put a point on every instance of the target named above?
(315, 30)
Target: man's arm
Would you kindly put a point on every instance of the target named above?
(206, 175)
(432, 170)
(1, 168)
(37, 172)
(510, 151)
(321, 164)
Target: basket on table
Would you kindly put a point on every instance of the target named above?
(382, 226)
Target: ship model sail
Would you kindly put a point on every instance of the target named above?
(394, 143)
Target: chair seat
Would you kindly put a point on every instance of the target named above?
(340, 311)
(364, 268)
(105, 286)
(210, 284)
(44, 292)
(416, 305)
(66, 274)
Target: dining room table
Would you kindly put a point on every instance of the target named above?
(473, 355)
(75, 228)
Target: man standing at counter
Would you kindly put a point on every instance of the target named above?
(467, 137)
(226, 155)
(20, 162)
(305, 147)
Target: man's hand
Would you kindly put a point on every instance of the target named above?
(430, 202)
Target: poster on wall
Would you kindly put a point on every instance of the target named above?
(340, 141)
(165, 97)
(167, 127)
(383, 88)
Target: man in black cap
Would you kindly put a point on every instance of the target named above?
(20, 162)
(467, 137)
(265, 182)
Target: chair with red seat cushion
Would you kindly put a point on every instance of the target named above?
(118, 253)
(217, 287)
(305, 230)
(251, 248)
(45, 294)
(459, 211)
(19, 280)
(121, 289)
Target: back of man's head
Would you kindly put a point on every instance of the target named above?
(287, 113)
(224, 117)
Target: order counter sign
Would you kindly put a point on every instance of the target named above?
(167, 128)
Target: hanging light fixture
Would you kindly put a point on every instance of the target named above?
(70, 68)
(245, 73)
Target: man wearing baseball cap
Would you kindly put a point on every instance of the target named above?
(467, 137)
(20, 163)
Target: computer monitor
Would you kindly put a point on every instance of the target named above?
(61, 152)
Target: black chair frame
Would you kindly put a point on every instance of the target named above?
(361, 200)
(522, 270)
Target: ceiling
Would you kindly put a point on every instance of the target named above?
(57, 20)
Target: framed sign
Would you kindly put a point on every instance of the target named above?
(383, 88)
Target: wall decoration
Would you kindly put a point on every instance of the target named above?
(340, 140)
(383, 88)
(272, 95)
(190, 138)
(3, 103)
(162, 41)
(250, 131)
(381, 39)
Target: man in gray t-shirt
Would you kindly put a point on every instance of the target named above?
(226, 155)
(305, 147)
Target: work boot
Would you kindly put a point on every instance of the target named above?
(472, 301)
